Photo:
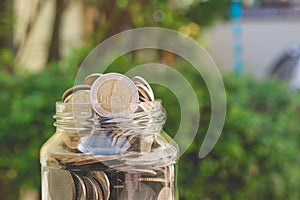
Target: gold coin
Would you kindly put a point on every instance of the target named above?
(114, 94)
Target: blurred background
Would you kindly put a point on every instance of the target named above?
(255, 44)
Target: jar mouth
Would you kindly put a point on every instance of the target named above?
(134, 118)
(133, 137)
(107, 109)
(75, 103)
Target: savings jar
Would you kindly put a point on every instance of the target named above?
(109, 144)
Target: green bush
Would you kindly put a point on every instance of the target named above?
(257, 156)
(27, 105)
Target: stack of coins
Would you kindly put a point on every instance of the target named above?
(90, 160)
(111, 98)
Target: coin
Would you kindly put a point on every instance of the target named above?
(103, 180)
(138, 79)
(114, 94)
(165, 194)
(141, 192)
(146, 143)
(80, 188)
(74, 89)
(92, 189)
(81, 105)
(61, 184)
(98, 188)
(79, 97)
(90, 79)
(142, 82)
(145, 93)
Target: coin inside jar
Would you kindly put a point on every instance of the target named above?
(103, 180)
(80, 187)
(143, 192)
(92, 189)
(61, 184)
(165, 194)
(114, 94)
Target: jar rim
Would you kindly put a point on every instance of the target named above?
(108, 110)
(156, 101)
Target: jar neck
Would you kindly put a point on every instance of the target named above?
(148, 119)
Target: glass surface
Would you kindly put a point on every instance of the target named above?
(120, 157)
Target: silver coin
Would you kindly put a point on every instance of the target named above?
(80, 188)
(98, 188)
(165, 194)
(79, 97)
(143, 93)
(74, 89)
(92, 189)
(138, 79)
(81, 106)
(61, 184)
(114, 94)
(103, 180)
(141, 192)
(141, 81)
(146, 144)
(90, 79)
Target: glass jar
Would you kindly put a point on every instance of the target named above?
(108, 158)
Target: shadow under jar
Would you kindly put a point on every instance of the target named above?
(109, 158)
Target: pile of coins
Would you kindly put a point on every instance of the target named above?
(112, 115)
(114, 101)
(110, 94)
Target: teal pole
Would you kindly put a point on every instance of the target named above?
(236, 15)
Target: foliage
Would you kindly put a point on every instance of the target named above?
(6, 21)
(27, 105)
(205, 13)
(257, 156)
